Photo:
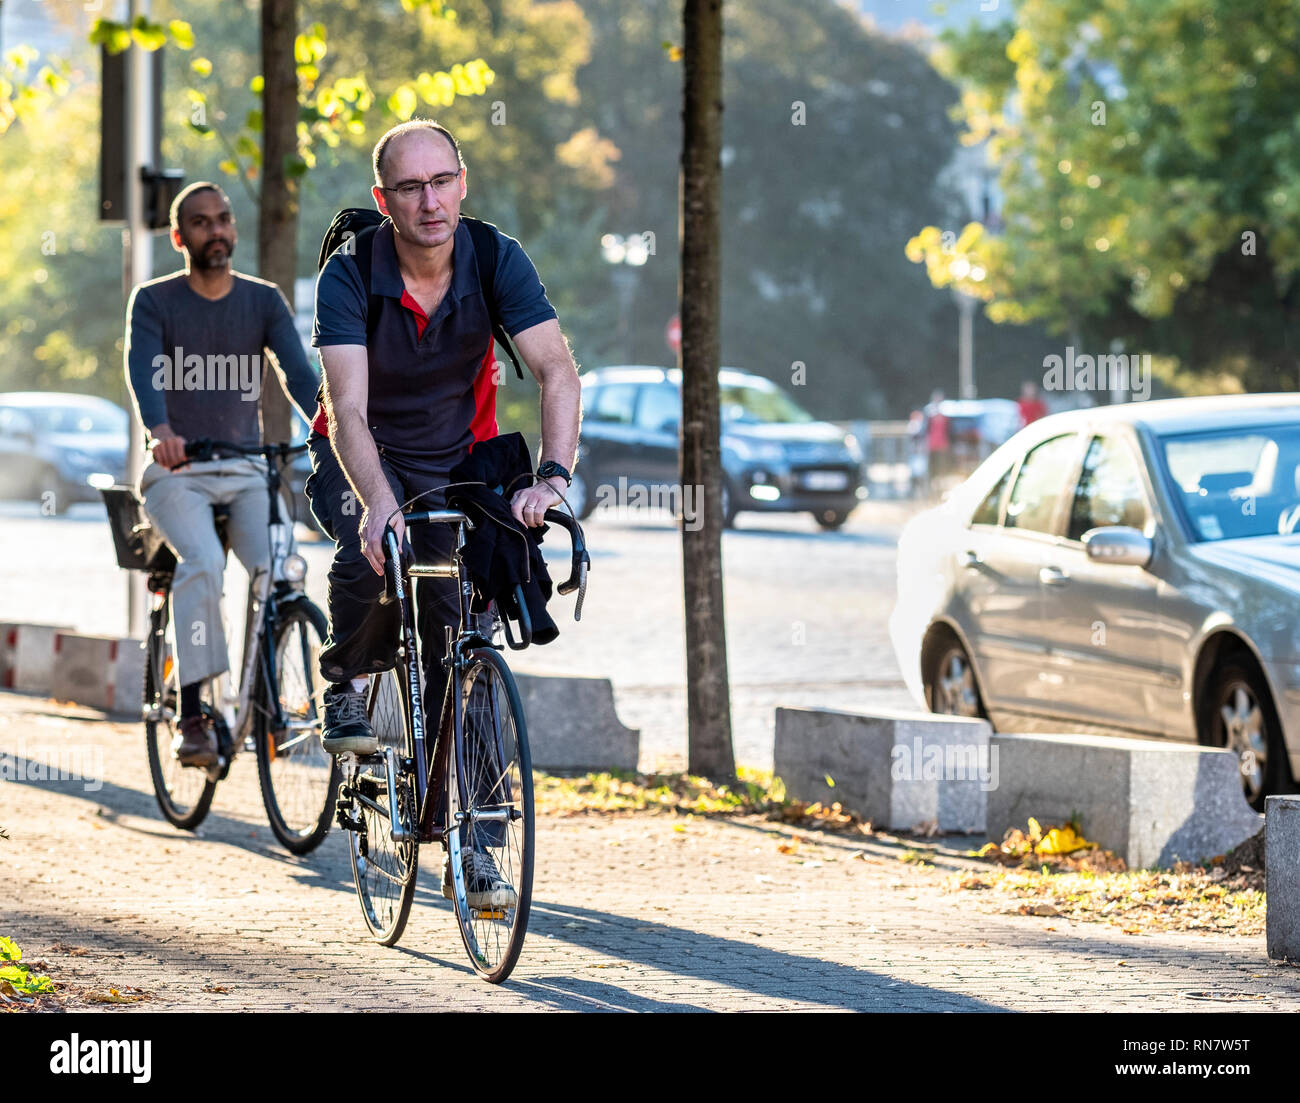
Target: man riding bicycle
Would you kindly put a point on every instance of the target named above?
(195, 366)
(407, 395)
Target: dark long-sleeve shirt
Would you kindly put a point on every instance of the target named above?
(199, 365)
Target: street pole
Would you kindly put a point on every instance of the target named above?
(137, 254)
(965, 345)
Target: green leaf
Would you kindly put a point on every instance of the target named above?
(200, 128)
(202, 66)
(403, 102)
(20, 57)
(9, 950)
(294, 167)
(55, 83)
(182, 34)
(257, 84)
(254, 121)
(148, 36)
(245, 146)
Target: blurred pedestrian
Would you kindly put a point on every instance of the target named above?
(938, 444)
(1031, 406)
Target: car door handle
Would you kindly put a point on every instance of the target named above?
(970, 560)
(1052, 576)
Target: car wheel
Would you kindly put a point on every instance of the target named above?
(831, 519)
(728, 510)
(950, 688)
(579, 497)
(1240, 717)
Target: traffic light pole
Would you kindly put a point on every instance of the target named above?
(137, 251)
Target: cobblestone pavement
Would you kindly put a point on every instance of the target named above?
(635, 913)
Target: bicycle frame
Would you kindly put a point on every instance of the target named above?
(427, 774)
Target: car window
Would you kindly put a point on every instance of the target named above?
(660, 402)
(1109, 490)
(1038, 486)
(760, 406)
(614, 402)
(990, 510)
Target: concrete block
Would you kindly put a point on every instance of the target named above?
(27, 657)
(1150, 802)
(87, 670)
(1282, 877)
(572, 725)
(894, 768)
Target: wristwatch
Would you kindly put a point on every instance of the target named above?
(550, 468)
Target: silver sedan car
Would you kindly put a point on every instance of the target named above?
(1131, 569)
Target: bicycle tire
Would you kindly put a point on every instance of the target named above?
(184, 793)
(490, 770)
(384, 876)
(299, 779)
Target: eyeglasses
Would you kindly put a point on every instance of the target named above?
(413, 189)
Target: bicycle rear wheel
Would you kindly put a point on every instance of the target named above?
(184, 793)
(490, 815)
(382, 869)
(299, 778)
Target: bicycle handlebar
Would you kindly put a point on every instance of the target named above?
(577, 579)
(203, 448)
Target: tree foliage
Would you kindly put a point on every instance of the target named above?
(1150, 161)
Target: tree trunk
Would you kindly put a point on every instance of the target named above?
(707, 693)
(277, 227)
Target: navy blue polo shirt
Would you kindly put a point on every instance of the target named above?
(432, 388)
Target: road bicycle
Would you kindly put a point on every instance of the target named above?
(468, 785)
(277, 709)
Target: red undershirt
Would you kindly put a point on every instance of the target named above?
(484, 424)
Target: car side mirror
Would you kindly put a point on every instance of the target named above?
(1118, 544)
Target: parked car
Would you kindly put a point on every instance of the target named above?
(1130, 569)
(775, 455)
(58, 442)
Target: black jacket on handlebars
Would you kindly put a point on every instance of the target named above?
(501, 553)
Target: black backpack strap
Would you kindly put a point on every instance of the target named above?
(484, 236)
(364, 246)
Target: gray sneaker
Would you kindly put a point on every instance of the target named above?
(347, 727)
(484, 886)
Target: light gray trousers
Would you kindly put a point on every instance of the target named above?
(179, 503)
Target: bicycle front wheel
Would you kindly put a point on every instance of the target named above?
(299, 779)
(490, 817)
(384, 869)
(184, 793)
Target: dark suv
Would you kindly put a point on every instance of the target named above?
(775, 456)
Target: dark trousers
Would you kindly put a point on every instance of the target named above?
(364, 634)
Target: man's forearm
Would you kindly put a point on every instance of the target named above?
(355, 448)
(561, 404)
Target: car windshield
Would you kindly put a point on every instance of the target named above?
(1237, 483)
(758, 405)
(76, 419)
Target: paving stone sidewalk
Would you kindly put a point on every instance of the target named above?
(631, 913)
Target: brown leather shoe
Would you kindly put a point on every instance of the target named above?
(198, 746)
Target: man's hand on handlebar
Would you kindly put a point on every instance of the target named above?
(168, 448)
(529, 506)
(373, 522)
